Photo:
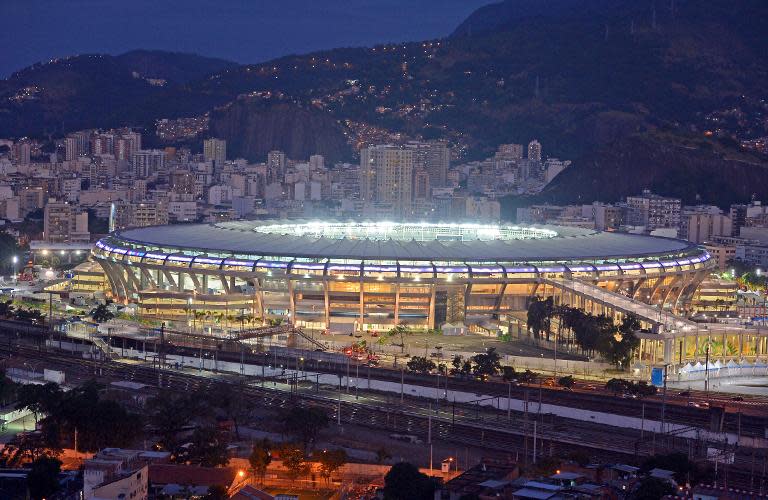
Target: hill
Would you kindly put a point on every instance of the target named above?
(595, 81)
(97, 90)
(253, 128)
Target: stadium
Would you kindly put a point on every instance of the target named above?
(361, 276)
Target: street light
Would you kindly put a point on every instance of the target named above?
(15, 261)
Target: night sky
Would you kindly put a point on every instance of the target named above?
(245, 31)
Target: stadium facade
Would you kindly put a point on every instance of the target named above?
(343, 276)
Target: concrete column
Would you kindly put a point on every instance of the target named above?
(362, 301)
(326, 303)
(431, 317)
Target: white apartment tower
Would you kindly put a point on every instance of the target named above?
(534, 150)
(275, 166)
(386, 176)
(215, 150)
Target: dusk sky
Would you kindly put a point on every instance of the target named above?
(242, 31)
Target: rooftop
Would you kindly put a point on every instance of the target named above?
(385, 240)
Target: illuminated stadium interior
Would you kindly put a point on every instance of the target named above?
(406, 231)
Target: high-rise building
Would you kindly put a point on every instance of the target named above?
(126, 145)
(738, 215)
(386, 176)
(316, 162)
(182, 182)
(147, 162)
(421, 188)
(699, 225)
(125, 215)
(534, 150)
(70, 148)
(435, 158)
(64, 224)
(513, 152)
(275, 166)
(215, 150)
(653, 211)
(605, 216)
(31, 198)
(22, 152)
(78, 144)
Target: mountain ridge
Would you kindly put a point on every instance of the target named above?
(582, 76)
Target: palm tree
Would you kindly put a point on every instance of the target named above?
(400, 329)
(198, 315)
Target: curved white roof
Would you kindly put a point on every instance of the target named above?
(241, 237)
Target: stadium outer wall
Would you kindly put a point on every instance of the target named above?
(328, 291)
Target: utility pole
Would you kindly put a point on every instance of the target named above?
(402, 380)
(338, 413)
(534, 441)
(706, 371)
(664, 399)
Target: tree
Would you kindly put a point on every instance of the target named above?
(225, 398)
(207, 448)
(456, 365)
(566, 382)
(331, 461)
(9, 248)
(420, 364)
(617, 347)
(261, 457)
(652, 488)
(644, 389)
(8, 389)
(169, 413)
(304, 424)
(33, 316)
(527, 377)
(617, 385)
(539, 316)
(466, 368)
(399, 330)
(405, 482)
(39, 399)
(26, 448)
(43, 478)
(217, 492)
(590, 331)
(101, 313)
(293, 459)
(98, 423)
(487, 364)
(6, 309)
(508, 374)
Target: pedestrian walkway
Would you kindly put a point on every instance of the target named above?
(659, 319)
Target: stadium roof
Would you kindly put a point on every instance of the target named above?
(240, 238)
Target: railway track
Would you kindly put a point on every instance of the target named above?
(747, 418)
(491, 430)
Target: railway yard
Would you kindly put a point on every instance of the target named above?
(703, 424)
